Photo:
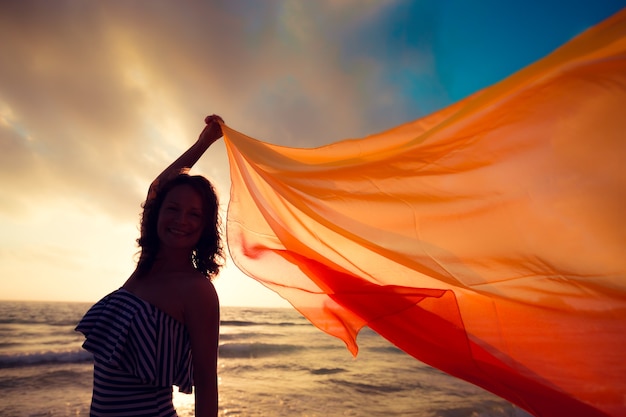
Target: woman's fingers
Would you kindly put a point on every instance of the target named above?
(213, 130)
(213, 118)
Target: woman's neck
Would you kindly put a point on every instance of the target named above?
(173, 261)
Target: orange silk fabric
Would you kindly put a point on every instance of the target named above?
(487, 239)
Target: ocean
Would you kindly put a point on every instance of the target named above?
(273, 362)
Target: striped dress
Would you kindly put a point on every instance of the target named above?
(139, 353)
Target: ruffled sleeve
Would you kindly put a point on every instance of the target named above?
(129, 334)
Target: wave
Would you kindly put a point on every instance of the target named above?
(245, 336)
(365, 388)
(327, 371)
(255, 350)
(78, 355)
(237, 323)
(56, 322)
(481, 409)
(73, 322)
(16, 360)
(244, 323)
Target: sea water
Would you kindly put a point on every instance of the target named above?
(273, 362)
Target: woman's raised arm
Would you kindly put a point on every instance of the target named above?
(211, 133)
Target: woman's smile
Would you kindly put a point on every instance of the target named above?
(180, 219)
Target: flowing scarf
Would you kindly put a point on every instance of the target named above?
(487, 240)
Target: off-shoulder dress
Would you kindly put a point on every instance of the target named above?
(139, 353)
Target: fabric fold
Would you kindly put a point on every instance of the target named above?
(486, 239)
(130, 335)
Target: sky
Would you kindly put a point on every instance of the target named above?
(97, 98)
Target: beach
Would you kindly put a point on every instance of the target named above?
(273, 362)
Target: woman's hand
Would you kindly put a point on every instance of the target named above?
(212, 131)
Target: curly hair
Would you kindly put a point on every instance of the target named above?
(208, 255)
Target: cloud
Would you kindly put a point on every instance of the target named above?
(67, 118)
(96, 98)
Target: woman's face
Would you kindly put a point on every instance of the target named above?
(181, 220)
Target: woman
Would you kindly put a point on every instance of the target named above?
(162, 327)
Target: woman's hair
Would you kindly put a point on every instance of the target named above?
(207, 256)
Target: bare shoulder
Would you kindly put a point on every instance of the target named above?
(201, 301)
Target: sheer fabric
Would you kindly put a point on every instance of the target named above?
(487, 239)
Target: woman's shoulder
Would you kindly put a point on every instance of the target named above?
(200, 298)
(198, 286)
